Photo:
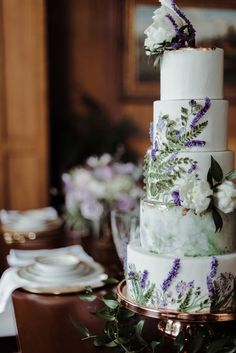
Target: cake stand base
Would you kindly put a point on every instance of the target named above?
(171, 323)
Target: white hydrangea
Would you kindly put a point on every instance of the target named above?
(195, 194)
(225, 197)
(161, 29)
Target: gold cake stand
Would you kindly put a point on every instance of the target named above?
(171, 323)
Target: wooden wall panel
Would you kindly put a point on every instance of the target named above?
(20, 192)
(94, 50)
(23, 107)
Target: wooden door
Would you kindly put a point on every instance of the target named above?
(23, 105)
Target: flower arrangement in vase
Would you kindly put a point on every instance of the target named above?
(93, 190)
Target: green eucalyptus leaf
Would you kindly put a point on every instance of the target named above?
(88, 298)
(125, 314)
(111, 344)
(82, 329)
(231, 175)
(216, 170)
(105, 315)
(217, 219)
(110, 301)
(110, 281)
(138, 331)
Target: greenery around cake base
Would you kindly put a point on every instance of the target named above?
(126, 332)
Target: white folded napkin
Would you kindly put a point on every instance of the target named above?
(26, 257)
(19, 258)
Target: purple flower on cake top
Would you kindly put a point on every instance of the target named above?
(182, 15)
(177, 31)
(201, 113)
(171, 276)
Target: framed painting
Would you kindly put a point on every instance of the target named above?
(215, 23)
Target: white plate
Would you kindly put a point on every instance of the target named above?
(82, 269)
(60, 285)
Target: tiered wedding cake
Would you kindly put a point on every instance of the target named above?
(185, 259)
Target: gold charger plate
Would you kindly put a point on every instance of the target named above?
(163, 314)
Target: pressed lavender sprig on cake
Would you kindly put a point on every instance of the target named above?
(171, 276)
(201, 113)
(212, 274)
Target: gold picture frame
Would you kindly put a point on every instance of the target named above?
(141, 81)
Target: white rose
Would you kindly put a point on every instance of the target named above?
(161, 29)
(194, 194)
(225, 197)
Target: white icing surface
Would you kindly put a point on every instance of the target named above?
(167, 230)
(195, 269)
(192, 74)
(215, 134)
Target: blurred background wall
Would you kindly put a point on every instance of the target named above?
(63, 93)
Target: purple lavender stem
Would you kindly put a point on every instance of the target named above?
(195, 143)
(201, 112)
(176, 28)
(176, 198)
(214, 267)
(209, 286)
(144, 279)
(182, 15)
(172, 274)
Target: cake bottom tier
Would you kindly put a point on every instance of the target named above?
(186, 284)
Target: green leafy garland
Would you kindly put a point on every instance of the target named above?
(123, 331)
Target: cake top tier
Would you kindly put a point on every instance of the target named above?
(187, 72)
(192, 73)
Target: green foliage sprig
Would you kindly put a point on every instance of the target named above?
(123, 331)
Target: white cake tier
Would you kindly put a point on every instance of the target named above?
(168, 229)
(175, 117)
(192, 73)
(169, 170)
(187, 284)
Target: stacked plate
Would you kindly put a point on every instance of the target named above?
(61, 273)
